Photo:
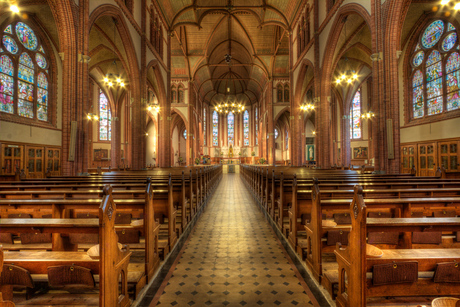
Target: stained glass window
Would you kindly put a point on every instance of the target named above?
(185, 134)
(246, 127)
(418, 96)
(10, 44)
(432, 34)
(28, 74)
(418, 58)
(204, 126)
(434, 83)
(105, 118)
(42, 97)
(432, 93)
(276, 133)
(231, 128)
(452, 81)
(6, 84)
(449, 41)
(287, 139)
(355, 116)
(41, 61)
(26, 36)
(257, 128)
(215, 128)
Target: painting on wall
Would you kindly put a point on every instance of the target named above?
(310, 152)
(360, 153)
(100, 154)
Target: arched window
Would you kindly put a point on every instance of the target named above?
(173, 94)
(185, 134)
(23, 61)
(180, 94)
(231, 128)
(105, 118)
(355, 116)
(279, 93)
(437, 52)
(204, 126)
(246, 127)
(215, 129)
(257, 128)
(287, 139)
(286, 93)
(299, 40)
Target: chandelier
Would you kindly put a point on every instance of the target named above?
(368, 115)
(307, 107)
(229, 107)
(114, 79)
(348, 76)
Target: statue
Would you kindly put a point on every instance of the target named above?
(310, 152)
(230, 151)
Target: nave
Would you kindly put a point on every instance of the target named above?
(233, 258)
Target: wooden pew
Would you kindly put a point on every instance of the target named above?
(395, 272)
(68, 206)
(400, 203)
(112, 263)
(2, 302)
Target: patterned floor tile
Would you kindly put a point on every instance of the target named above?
(233, 258)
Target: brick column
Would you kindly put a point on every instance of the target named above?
(81, 158)
(164, 133)
(69, 49)
(271, 125)
(389, 14)
(115, 151)
(323, 92)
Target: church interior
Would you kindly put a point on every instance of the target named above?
(230, 153)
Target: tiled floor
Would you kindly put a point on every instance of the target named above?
(233, 258)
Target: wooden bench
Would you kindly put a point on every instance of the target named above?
(69, 207)
(2, 302)
(112, 263)
(396, 272)
(315, 204)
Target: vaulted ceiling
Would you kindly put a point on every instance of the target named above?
(253, 32)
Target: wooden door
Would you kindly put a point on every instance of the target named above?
(408, 158)
(35, 162)
(12, 159)
(426, 159)
(448, 156)
(53, 161)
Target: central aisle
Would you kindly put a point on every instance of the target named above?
(233, 258)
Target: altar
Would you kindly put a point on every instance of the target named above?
(230, 165)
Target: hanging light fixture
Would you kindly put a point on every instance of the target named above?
(230, 105)
(114, 79)
(368, 115)
(307, 106)
(348, 76)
